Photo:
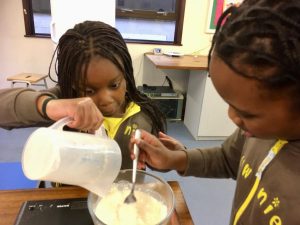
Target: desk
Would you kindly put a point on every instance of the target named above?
(11, 201)
(186, 62)
(205, 112)
(29, 79)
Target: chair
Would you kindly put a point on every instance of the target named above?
(29, 79)
(12, 177)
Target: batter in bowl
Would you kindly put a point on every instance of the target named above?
(147, 210)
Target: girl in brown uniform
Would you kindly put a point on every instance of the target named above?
(254, 64)
(95, 86)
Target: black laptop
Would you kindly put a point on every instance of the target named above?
(55, 212)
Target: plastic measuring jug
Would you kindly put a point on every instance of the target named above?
(86, 160)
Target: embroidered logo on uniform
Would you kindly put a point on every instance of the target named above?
(262, 196)
(130, 128)
(275, 220)
(267, 205)
(246, 171)
(274, 204)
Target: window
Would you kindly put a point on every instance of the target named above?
(150, 21)
(37, 17)
(139, 21)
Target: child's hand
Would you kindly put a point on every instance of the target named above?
(156, 154)
(86, 116)
(169, 142)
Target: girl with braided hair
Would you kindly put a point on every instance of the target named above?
(254, 64)
(95, 86)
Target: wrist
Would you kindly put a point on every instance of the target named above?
(42, 103)
(179, 161)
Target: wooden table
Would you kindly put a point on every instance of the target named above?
(11, 201)
(186, 62)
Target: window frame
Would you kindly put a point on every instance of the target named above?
(178, 15)
(29, 22)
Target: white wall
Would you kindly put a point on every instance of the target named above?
(25, 54)
(17, 53)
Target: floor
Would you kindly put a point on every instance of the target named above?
(209, 200)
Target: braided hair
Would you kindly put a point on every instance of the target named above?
(260, 39)
(89, 39)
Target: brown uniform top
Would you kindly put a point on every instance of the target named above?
(276, 200)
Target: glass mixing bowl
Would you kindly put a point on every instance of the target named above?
(147, 183)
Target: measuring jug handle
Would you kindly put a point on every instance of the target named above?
(101, 132)
(59, 124)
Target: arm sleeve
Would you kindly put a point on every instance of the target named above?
(218, 162)
(18, 107)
